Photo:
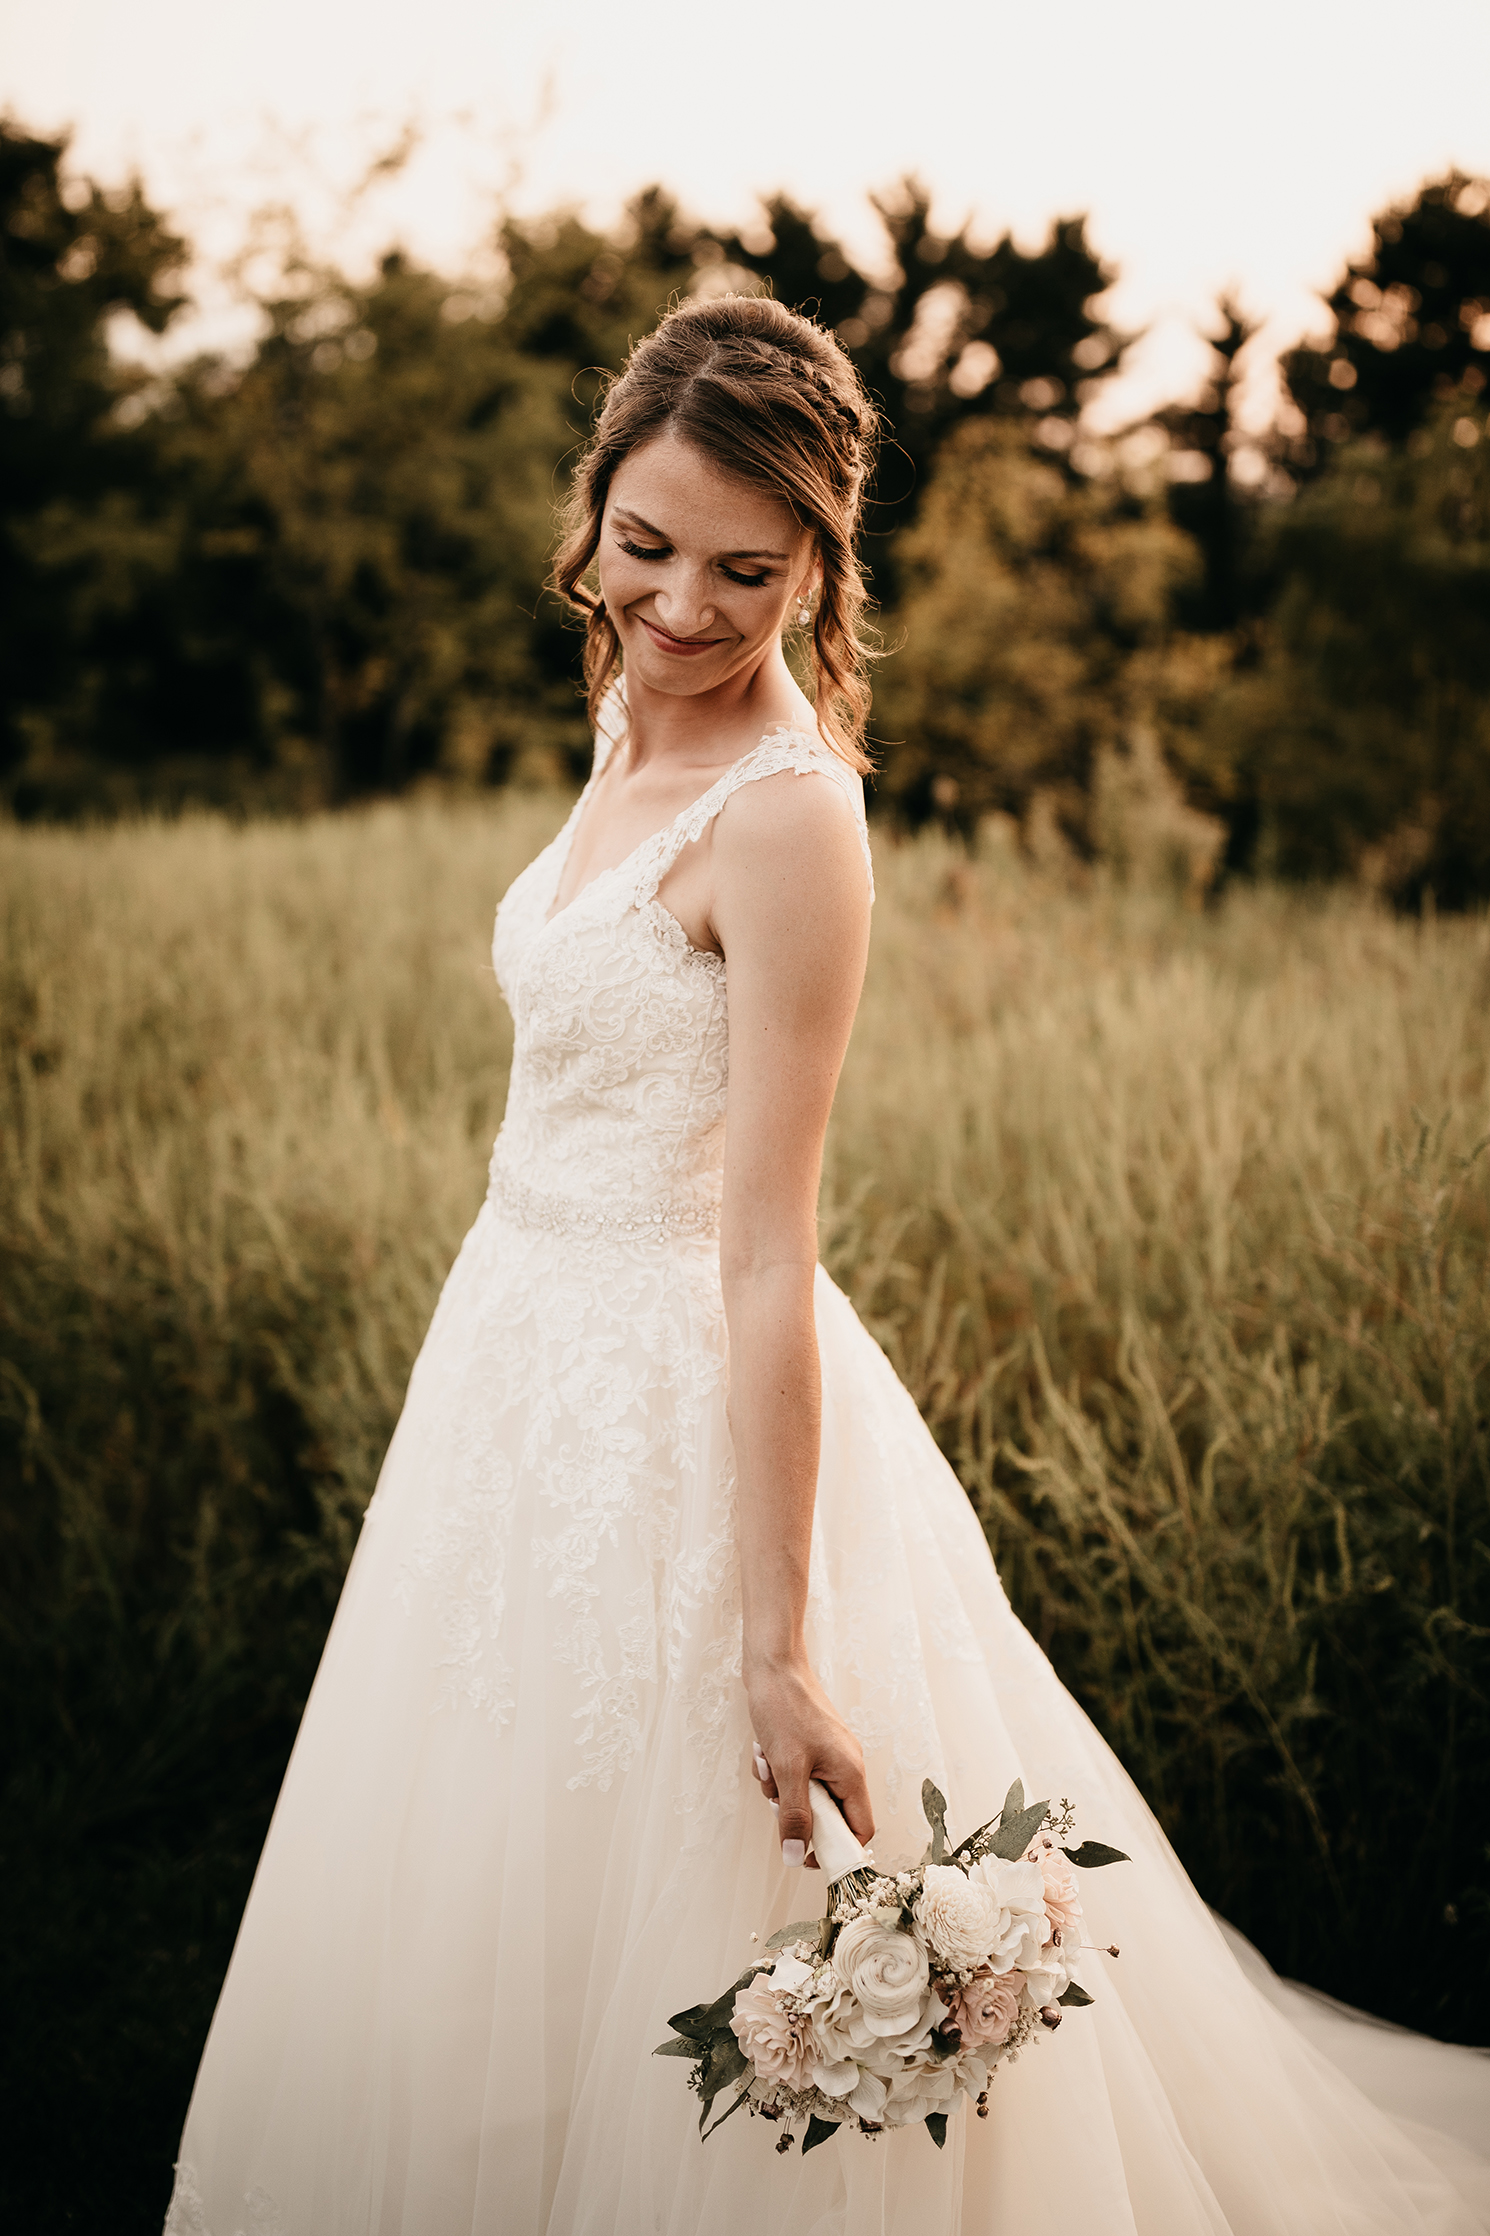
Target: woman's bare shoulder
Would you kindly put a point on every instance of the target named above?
(789, 863)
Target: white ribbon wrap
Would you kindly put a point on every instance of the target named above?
(835, 1847)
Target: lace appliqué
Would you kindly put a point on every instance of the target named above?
(186, 2214)
(567, 1409)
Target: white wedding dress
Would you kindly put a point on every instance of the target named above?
(518, 1829)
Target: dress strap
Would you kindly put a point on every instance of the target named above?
(779, 751)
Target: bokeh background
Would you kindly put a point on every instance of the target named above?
(1158, 1163)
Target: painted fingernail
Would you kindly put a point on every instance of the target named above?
(794, 1854)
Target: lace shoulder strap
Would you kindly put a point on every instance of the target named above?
(779, 751)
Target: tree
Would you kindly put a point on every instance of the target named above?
(1412, 324)
(1206, 502)
(71, 259)
(1038, 634)
(1363, 730)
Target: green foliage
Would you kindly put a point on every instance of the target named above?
(333, 574)
(318, 574)
(1037, 630)
(1412, 323)
(71, 259)
(1362, 727)
(1206, 502)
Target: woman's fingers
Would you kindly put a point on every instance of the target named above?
(852, 1797)
(794, 1817)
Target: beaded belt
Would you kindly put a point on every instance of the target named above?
(530, 1207)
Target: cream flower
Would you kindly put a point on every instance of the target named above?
(987, 2008)
(780, 2044)
(1048, 1978)
(958, 1917)
(864, 2090)
(884, 1970)
(1018, 1897)
(923, 2087)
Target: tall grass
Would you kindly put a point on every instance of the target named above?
(1171, 1221)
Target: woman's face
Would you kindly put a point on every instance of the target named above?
(697, 569)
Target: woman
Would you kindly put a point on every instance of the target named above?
(656, 1498)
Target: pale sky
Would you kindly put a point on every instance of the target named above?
(1244, 148)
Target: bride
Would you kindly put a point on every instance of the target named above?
(657, 1509)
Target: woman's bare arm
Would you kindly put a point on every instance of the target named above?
(791, 912)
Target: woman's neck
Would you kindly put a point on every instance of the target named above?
(715, 726)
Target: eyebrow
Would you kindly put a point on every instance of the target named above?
(624, 512)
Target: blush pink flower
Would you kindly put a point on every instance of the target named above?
(987, 2008)
(1062, 1902)
(779, 2043)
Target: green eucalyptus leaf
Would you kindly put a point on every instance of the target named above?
(724, 2061)
(679, 2046)
(693, 2022)
(1075, 1996)
(742, 2098)
(1013, 1799)
(1091, 1855)
(934, 1807)
(819, 2131)
(704, 2019)
(936, 2128)
(805, 1929)
(1015, 1833)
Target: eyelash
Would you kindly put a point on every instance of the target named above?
(660, 551)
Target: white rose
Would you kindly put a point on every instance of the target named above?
(1017, 1894)
(885, 1970)
(958, 1917)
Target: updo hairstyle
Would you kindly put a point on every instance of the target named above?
(771, 398)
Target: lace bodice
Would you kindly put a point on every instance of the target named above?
(615, 1113)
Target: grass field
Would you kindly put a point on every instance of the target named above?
(1171, 1220)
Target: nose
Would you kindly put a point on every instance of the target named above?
(683, 603)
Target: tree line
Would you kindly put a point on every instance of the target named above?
(317, 574)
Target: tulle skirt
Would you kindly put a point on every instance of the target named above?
(518, 1831)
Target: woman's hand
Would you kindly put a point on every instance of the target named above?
(799, 1736)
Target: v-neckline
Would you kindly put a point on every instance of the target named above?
(567, 836)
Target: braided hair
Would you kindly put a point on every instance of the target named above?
(770, 397)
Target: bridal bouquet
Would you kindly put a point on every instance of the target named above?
(912, 1989)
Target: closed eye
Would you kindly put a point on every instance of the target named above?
(664, 551)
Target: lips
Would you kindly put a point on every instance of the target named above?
(684, 647)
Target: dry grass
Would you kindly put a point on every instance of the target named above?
(1137, 1198)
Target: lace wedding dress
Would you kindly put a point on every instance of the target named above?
(518, 1829)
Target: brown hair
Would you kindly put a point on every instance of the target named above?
(770, 397)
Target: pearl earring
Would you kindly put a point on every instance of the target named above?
(804, 612)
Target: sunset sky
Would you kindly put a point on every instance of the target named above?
(1210, 148)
